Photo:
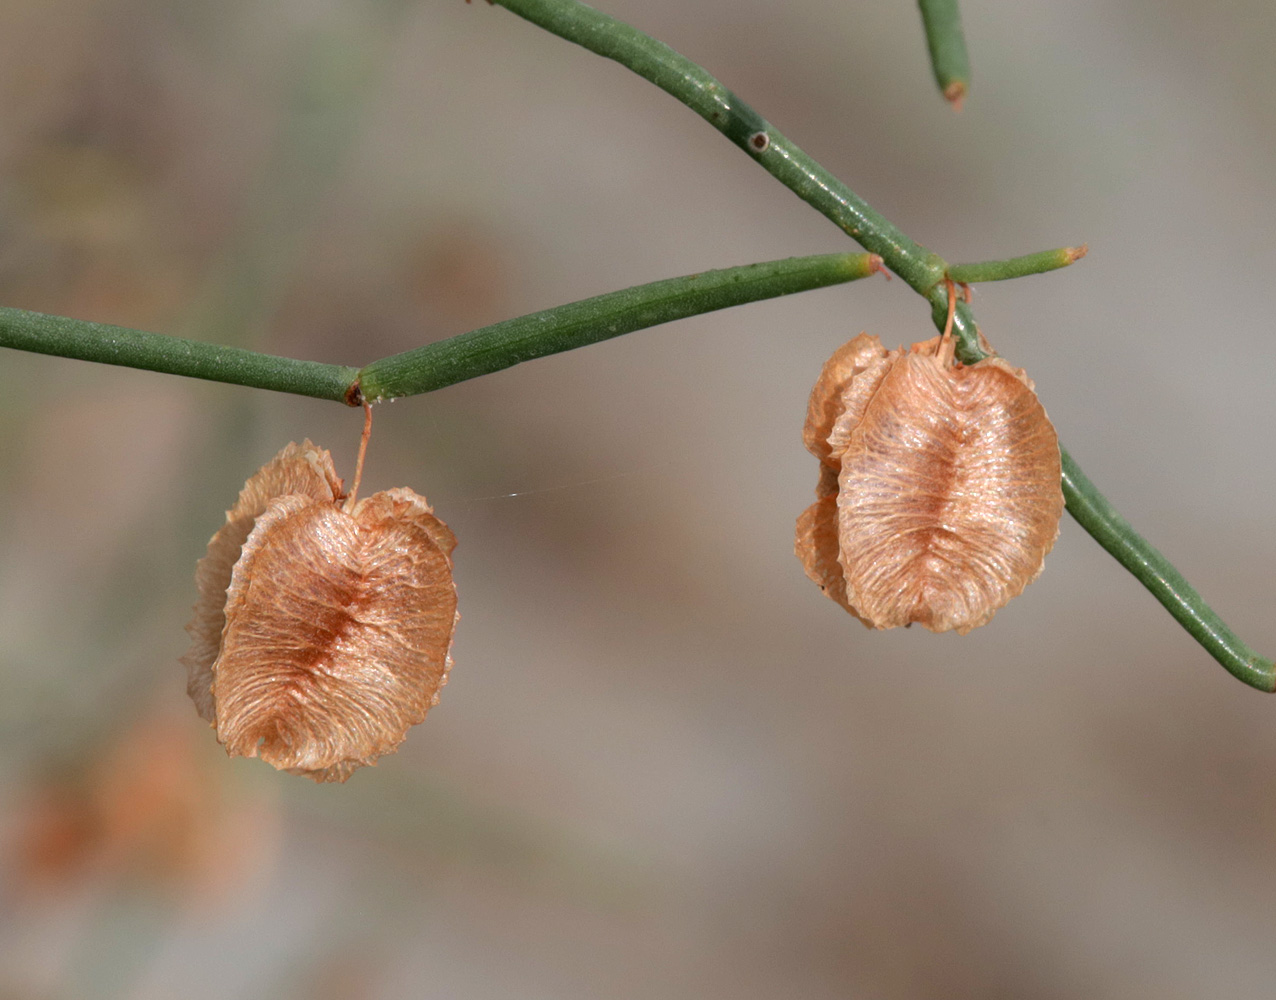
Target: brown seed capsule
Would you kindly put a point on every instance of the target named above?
(939, 492)
(323, 629)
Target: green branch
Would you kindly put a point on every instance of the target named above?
(445, 362)
(1093, 512)
(578, 324)
(1016, 267)
(678, 76)
(947, 45)
(922, 269)
(156, 352)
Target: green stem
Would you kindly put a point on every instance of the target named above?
(156, 352)
(1016, 267)
(923, 270)
(947, 44)
(589, 321)
(445, 362)
(784, 160)
(1094, 513)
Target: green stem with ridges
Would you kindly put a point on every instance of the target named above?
(923, 270)
(947, 44)
(1016, 267)
(1094, 513)
(565, 328)
(684, 80)
(444, 362)
(157, 352)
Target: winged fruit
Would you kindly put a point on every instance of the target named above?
(939, 492)
(323, 628)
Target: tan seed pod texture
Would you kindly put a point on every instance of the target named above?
(939, 493)
(323, 629)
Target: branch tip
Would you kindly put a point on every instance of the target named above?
(955, 93)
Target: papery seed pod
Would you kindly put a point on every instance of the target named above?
(323, 629)
(939, 493)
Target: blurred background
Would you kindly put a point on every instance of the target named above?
(665, 765)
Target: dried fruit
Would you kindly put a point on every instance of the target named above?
(324, 625)
(939, 492)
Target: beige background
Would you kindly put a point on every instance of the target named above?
(665, 765)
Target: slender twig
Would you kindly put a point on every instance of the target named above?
(947, 45)
(444, 362)
(577, 324)
(1016, 267)
(922, 269)
(589, 321)
(117, 345)
(678, 76)
(1094, 513)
